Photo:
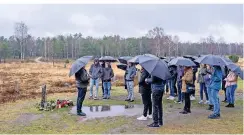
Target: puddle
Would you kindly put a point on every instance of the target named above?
(109, 111)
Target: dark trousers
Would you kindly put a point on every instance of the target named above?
(187, 106)
(224, 89)
(167, 85)
(175, 88)
(147, 102)
(157, 106)
(80, 98)
(102, 88)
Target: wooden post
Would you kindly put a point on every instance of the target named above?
(44, 96)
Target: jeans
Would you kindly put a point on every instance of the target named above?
(92, 83)
(130, 90)
(167, 85)
(180, 95)
(203, 88)
(157, 106)
(209, 96)
(215, 100)
(107, 88)
(172, 87)
(147, 102)
(80, 99)
(230, 91)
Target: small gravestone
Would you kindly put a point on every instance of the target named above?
(44, 96)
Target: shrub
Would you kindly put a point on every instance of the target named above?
(234, 58)
(66, 61)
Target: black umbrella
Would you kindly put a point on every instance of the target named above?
(122, 66)
(124, 59)
(211, 60)
(236, 69)
(180, 61)
(78, 64)
(135, 59)
(108, 59)
(155, 66)
(190, 56)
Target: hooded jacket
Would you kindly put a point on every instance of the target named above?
(95, 71)
(216, 78)
(82, 79)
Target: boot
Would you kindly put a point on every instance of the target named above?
(210, 107)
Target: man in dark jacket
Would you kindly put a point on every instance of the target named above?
(82, 80)
(103, 66)
(145, 90)
(157, 86)
(107, 75)
(95, 73)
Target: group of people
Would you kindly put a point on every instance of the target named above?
(210, 79)
(152, 88)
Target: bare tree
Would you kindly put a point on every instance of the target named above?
(21, 33)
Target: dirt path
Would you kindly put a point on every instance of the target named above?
(38, 60)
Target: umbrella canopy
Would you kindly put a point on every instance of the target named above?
(236, 69)
(122, 66)
(190, 56)
(211, 60)
(108, 59)
(180, 61)
(227, 59)
(155, 67)
(78, 64)
(136, 58)
(124, 59)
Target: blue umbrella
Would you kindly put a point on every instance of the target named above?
(155, 67)
(78, 64)
(211, 60)
(236, 69)
(180, 61)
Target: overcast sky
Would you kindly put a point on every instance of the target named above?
(189, 22)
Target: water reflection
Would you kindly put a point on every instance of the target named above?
(110, 111)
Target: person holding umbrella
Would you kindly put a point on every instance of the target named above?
(107, 75)
(231, 82)
(82, 80)
(130, 75)
(187, 88)
(214, 87)
(95, 74)
(201, 81)
(207, 82)
(159, 73)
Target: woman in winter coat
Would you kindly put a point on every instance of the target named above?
(202, 72)
(187, 88)
(231, 85)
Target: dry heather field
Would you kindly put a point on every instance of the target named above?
(24, 80)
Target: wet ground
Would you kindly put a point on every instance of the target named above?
(109, 110)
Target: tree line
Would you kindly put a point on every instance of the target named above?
(22, 45)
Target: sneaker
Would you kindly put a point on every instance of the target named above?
(150, 116)
(142, 118)
(210, 107)
(160, 124)
(153, 125)
(214, 116)
(95, 98)
(192, 98)
(131, 100)
(171, 98)
(200, 102)
(207, 102)
(230, 106)
(81, 114)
